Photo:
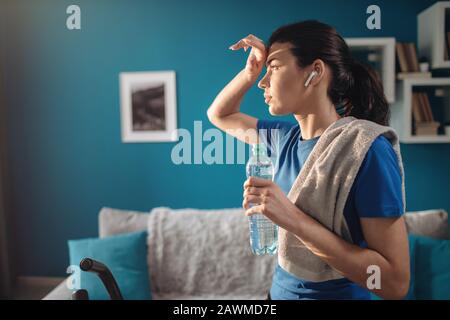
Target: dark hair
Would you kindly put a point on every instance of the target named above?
(355, 89)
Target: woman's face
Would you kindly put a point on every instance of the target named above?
(284, 81)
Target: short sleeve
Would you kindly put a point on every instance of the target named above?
(270, 132)
(378, 189)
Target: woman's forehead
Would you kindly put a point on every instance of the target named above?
(276, 53)
(279, 50)
(280, 46)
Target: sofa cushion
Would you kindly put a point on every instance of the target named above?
(116, 221)
(429, 223)
(126, 257)
(205, 254)
(432, 268)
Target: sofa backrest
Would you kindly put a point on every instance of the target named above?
(428, 223)
(431, 223)
(115, 221)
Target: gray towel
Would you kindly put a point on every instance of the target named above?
(322, 187)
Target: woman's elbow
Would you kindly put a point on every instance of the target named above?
(401, 291)
(398, 286)
(210, 113)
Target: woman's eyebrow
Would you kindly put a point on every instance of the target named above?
(269, 61)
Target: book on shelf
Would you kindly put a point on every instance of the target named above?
(408, 61)
(407, 57)
(417, 111)
(401, 56)
(446, 45)
(412, 57)
(422, 115)
(427, 106)
(405, 75)
(427, 128)
(421, 107)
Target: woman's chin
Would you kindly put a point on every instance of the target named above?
(274, 111)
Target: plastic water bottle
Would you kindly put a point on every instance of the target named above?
(263, 232)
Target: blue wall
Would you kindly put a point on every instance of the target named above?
(62, 86)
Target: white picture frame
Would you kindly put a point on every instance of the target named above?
(148, 106)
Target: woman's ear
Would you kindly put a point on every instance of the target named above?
(318, 66)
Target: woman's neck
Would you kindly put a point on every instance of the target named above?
(314, 124)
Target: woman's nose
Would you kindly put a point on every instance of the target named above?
(262, 84)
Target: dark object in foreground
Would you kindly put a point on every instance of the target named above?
(102, 271)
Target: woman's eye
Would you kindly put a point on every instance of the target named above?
(274, 67)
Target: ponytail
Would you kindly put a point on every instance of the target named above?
(365, 95)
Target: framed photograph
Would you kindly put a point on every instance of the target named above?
(148, 106)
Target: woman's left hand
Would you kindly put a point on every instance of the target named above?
(271, 202)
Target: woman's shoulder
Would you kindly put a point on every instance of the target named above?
(378, 185)
(381, 154)
(381, 145)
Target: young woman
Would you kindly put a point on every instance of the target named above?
(311, 75)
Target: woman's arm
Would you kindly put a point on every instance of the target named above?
(386, 238)
(387, 249)
(224, 112)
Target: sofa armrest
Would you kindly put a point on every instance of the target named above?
(60, 292)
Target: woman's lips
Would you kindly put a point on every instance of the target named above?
(267, 99)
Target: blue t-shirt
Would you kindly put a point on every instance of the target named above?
(376, 192)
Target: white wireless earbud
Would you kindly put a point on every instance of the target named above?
(311, 76)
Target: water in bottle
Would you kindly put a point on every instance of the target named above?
(263, 232)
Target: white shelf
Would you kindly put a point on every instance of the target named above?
(427, 139)
(386, 48)
(432, 35)
(401, 113)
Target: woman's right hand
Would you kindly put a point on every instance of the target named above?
(257, 57)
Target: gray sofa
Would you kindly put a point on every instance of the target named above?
(192, 253)
(204, 254)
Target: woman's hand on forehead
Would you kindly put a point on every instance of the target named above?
(249, 41)
(257, 57)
